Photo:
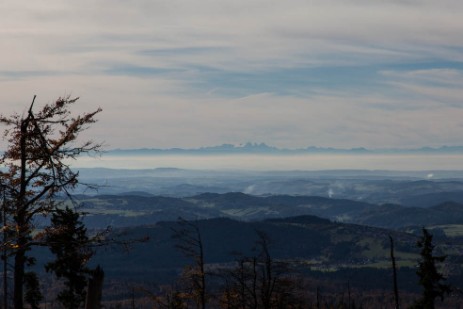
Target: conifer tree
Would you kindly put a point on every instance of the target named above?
(32, 294)
(429, 277)
(67, 239)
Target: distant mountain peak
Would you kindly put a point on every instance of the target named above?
(263, 148)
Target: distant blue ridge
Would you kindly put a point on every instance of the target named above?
(262, 148)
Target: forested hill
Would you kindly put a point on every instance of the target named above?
(328, 253)
(326, 244)
(133, 210)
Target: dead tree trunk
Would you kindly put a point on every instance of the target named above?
(394, 274)
(95, 288)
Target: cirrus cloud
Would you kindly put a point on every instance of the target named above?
(292, 73)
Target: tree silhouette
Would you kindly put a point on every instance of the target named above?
(68, 241)
(189, 242)
(32, 296)
(36, 170)
(394, 274)
(430, 279)
(261, 282)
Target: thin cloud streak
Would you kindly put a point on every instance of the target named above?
(289, 73)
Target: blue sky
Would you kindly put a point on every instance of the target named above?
(182, 73)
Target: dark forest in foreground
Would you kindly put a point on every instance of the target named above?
(334, 240)
(328, 256)
(319, 254)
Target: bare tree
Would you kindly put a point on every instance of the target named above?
(190, 243)
(261, 282)
(36, 170)
(394, 274)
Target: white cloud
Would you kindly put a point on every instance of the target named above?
(160, 69)
(256, 32)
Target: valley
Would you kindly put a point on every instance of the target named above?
(336, 234)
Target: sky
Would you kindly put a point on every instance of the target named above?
(291, 74)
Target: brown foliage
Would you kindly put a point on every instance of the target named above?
(36, 170)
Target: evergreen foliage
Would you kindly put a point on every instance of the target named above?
(32, 294)
(68, 241)
(430, 278)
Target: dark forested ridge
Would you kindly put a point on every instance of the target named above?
(133, 210)
(333, 241)
(303, 237)
(327, 243)
(326, 253)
